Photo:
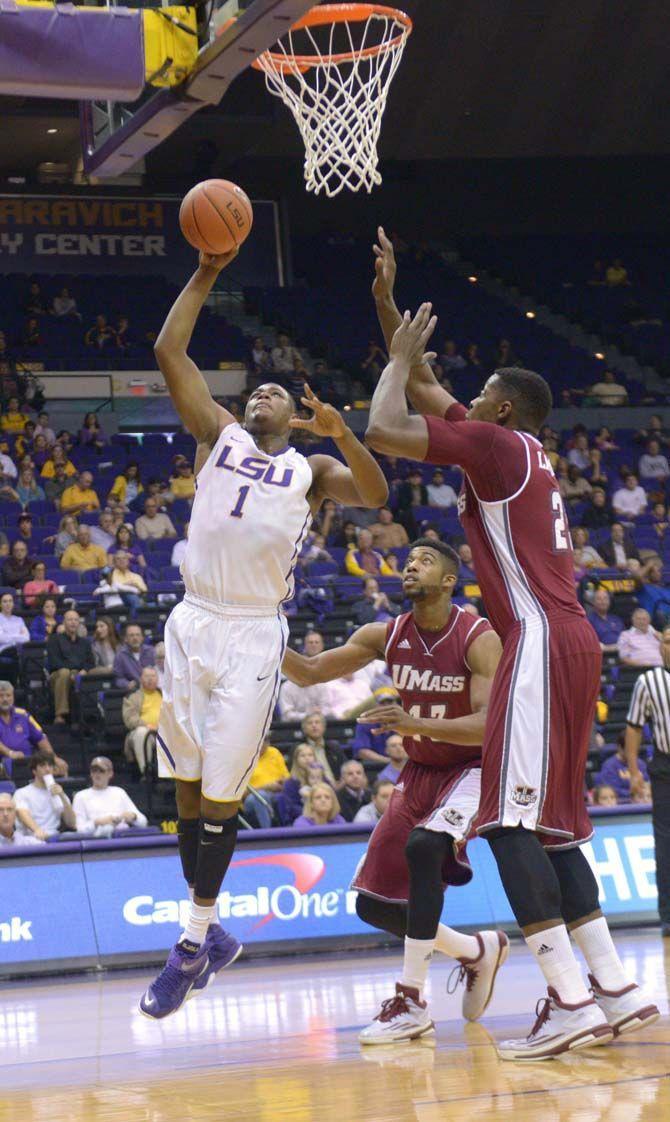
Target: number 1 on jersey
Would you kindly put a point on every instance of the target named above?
(236, 512)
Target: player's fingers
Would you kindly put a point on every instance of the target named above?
(301, 423)
(428, 330)
(378, 252)
(429, 357)
(421, 318)
(309, 392)
(384, 240)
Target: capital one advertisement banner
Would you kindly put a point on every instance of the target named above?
(120, 234)
(132, 901)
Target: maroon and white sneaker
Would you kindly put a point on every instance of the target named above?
(559, 1028)
(625, 1010)
(403, 1017)
(479, 974)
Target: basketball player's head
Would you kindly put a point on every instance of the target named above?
(430, 571)
(269, 410)
(513, 398)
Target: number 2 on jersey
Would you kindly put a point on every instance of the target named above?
(236, 512)
(561, 543)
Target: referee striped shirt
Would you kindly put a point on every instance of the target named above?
(651, 701)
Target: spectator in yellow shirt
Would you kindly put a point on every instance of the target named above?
(80, 496)
(141, 711)
(364, 561)
(267, 780)
(127, 486)
(82, 555)
(13, 420)
(58, 456)
(182, 483)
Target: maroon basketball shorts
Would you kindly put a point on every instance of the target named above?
(442, 800)
(538, 727)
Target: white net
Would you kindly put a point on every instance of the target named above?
(335, 80)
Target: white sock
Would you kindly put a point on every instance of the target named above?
(455, 944)
(418, 953)
(556, 959)
(199, 919)
(595, 943)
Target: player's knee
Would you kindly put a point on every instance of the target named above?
(579, 888)
(365, 910)
(521, 862)
(425, 847)
(188, 798)
(217, 811)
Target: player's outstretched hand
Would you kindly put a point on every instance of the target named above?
(385, 267)
(410, 339)
(390, 718)
(325, 419)
(218, 262)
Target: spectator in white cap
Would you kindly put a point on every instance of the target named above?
(100, 809)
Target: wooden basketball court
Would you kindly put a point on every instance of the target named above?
(277, 1040)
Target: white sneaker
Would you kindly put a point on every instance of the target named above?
(626, 1009)
(559, 1028)
(403, 1017)
(479, 974)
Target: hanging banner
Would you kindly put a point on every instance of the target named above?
(119, 235)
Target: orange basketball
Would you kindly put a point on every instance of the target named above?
(215, 216)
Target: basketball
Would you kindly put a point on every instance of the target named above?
(215, 216)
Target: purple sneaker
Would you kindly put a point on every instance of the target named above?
(186, 962)
(223, 949)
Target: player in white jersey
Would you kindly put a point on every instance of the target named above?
(255, 500)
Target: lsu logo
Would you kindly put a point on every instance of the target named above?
(254, 467)
(453, 817)
(461, 505)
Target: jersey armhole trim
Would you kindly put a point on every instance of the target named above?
(467, 643)
(392, 634)
(510, 498)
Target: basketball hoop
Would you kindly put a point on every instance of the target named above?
(333, 70)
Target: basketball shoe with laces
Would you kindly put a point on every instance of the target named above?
(222, 950)
(559, 1028)
(625, 1009)
(170, 989)
(479, 974)
(403, 1017)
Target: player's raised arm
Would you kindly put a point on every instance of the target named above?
(483, 658)
(358, 482)
(423, 389)
(362, 648)
(391, 429)
(189, 391)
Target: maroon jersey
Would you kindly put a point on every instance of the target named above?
(513, 514)
(430, 672)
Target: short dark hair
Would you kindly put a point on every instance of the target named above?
(38, 758)
(530, 392)
(450, 559)
(378, 783)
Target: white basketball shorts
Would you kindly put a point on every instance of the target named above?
(222, 675)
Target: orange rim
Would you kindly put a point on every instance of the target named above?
(333, 14)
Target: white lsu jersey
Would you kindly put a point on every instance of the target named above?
(249, 519)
